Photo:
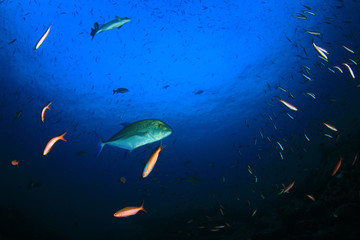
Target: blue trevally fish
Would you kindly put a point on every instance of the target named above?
(116, 23)
(138, 134)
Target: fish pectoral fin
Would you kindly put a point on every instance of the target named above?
(120, 27)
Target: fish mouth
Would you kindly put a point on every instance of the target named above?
(168, 130)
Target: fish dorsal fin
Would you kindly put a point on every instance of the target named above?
(125, 124)
(117, 17)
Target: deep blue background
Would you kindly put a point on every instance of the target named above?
(236, 52)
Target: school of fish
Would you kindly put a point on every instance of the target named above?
(147, 131)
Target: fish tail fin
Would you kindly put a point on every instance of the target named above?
(101, 144)
(142, 207)
(62, 136)
(94, 30)
(113, 92)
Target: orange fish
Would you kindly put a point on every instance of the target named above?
(15, 163)
(129, 211)
(151, 162)
(286, 190)
(336, 168)
(47, 107)
(311, 197)
(51, 143)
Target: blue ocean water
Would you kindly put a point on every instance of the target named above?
(214, 71)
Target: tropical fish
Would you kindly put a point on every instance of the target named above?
(352, 60)
(282, 89)
(151, 162)
(330, 126)
(311, 13)
(281, 147)
(12, 41)
(313, 32)
(47, 107)
(311, 95)
(288, 105)
(306, 6)
(348, 49)
(122, 180)
(116, 23)
(15, 163)
(307, 138)
(286, 190)
(350, 70)
(120, 90)
(320, 50)
(328, 135)
(129, 211)
(336, 168)
(300, 16)
(51, 143)
(138, 134)
(331, 70)
(42, 39)
(311, 197)
(254, 212)
(338, 68)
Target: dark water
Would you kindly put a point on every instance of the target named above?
(212, 70)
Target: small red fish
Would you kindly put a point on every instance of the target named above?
(311, 197)
(286, 190)
(51, 143)
(129, 211)
(151, 162)
(15, 163)
(336, 168)
(47, 107)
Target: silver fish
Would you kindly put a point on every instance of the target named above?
(138, 134)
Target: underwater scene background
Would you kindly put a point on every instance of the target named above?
(262, 98)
